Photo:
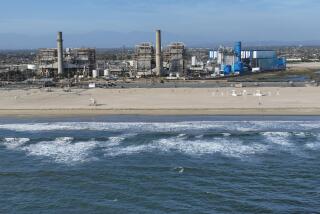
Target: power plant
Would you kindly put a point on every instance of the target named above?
(147, 60)
(238, 61)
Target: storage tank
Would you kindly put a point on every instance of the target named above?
(215, 55)
(243, 54)
(227, 70)
(194, 61)
(220, 58)
(95, 74)
(106, 72)
(222, 67)
(248, 54)
(211, 54)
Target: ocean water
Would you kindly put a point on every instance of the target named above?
(132, 164)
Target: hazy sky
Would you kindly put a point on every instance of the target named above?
(222, 19)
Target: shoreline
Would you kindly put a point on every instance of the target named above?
(41, 113)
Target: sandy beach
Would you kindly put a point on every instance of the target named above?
(180, 101)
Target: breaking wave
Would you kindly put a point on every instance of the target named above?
(241, 126)
(280, 138)
(141, 138)
(230, 148)
(102, 126)
(60, 150)
(313, 145)
(14, 143)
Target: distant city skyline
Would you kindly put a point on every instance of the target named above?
(197, 22)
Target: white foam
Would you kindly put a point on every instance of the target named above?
(35, 127)
(61, 150)
(313, 145)
(193, 148)
(138, 126)
(300, 134)
(14, 143)
(311, 125)
(179, 169)
(116, 140)
(226, 134)
(242, 126)
(223, 146)
(182, 136)
(100, 126)
(280, 138)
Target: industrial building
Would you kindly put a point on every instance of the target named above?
(238, 61)
(174, 59)
(153, 61)
(197, 69)
(75, 61)
(264, 60)
(47, 60)
(144, 59)
(118, 68)
(65, 62)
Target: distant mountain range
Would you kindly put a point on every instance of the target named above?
(110, 39)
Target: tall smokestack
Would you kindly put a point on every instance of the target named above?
(60, 53)
(158, 53)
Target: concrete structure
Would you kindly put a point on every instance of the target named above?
(47, 60)
(80, 58)
(174, 57)
(60, 54)
(144, 57)
(75, 61)
(159, 63)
